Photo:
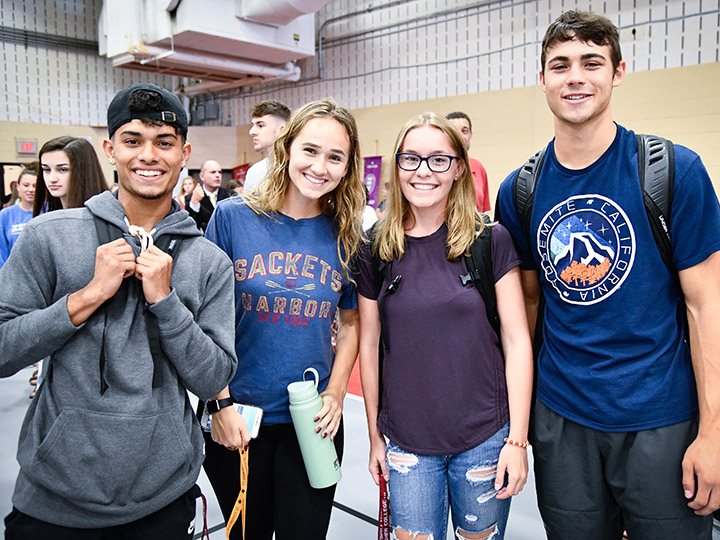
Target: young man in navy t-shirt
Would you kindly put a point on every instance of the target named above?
(627, 419)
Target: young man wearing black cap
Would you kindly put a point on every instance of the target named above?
(109, 447)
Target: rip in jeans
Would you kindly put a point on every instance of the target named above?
(487, 534)
(402, 462)
(483, 473)
(400, 534)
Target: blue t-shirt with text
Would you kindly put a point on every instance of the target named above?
(288, 283)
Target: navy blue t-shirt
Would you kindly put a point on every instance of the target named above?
(288, 283)
(613, 357)
(444, 390)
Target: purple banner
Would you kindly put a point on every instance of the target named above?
(372, 178)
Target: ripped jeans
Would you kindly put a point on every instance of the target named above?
(422, 487)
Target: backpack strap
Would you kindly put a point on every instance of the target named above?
(656, 167)
(479, 265)
(382, 268)
(107, 232)
(524, 187)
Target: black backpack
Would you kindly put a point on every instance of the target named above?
(480, 272)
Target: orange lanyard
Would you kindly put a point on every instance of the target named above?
(239, 507)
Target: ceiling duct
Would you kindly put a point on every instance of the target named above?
(277, 12)
(223, 43)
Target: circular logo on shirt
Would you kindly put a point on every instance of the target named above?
(587, 248)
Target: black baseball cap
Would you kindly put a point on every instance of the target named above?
(146, 101)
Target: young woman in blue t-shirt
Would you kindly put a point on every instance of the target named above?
(454, 410)
(291, 244)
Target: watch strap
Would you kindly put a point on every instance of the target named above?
(214, 405)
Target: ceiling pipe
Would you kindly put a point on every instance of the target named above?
(213, 87)
(211, 63)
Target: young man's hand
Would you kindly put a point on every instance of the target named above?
(114, 262)
(154, 268)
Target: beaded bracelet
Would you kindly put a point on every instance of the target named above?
(517, 443)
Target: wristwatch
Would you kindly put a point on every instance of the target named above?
(214, 405)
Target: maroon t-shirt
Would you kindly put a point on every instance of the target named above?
(444, 390)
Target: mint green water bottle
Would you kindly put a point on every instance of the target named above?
(321, 461)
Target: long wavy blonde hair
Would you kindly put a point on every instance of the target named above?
(344, 204)
(462, 220)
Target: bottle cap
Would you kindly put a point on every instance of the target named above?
(304, 390)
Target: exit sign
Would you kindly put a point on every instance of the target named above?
(26, 147)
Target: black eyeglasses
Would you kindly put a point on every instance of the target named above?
(436, 163)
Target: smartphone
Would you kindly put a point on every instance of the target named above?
(252, 416)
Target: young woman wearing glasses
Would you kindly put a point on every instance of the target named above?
(454, 410)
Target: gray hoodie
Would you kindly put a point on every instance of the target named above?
(96, 459)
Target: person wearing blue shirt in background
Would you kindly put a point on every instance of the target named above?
(14, 218)
(627, 419)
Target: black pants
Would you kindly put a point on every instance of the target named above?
(279, 498)
(592, 484)
(174, 522)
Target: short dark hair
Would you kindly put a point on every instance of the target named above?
(458, 114)
(272, 108)
(586, 26)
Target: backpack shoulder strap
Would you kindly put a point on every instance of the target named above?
(380, 267)
(524, 187)
(656, 168)
(384, 269)
(106, 231)
(480, 271)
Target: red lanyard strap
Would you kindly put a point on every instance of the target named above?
(384, 514)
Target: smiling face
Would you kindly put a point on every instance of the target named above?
(148, 158)
(578, 79)
(424, 189)
(56, 174)
(318, 161)
(264, 131)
